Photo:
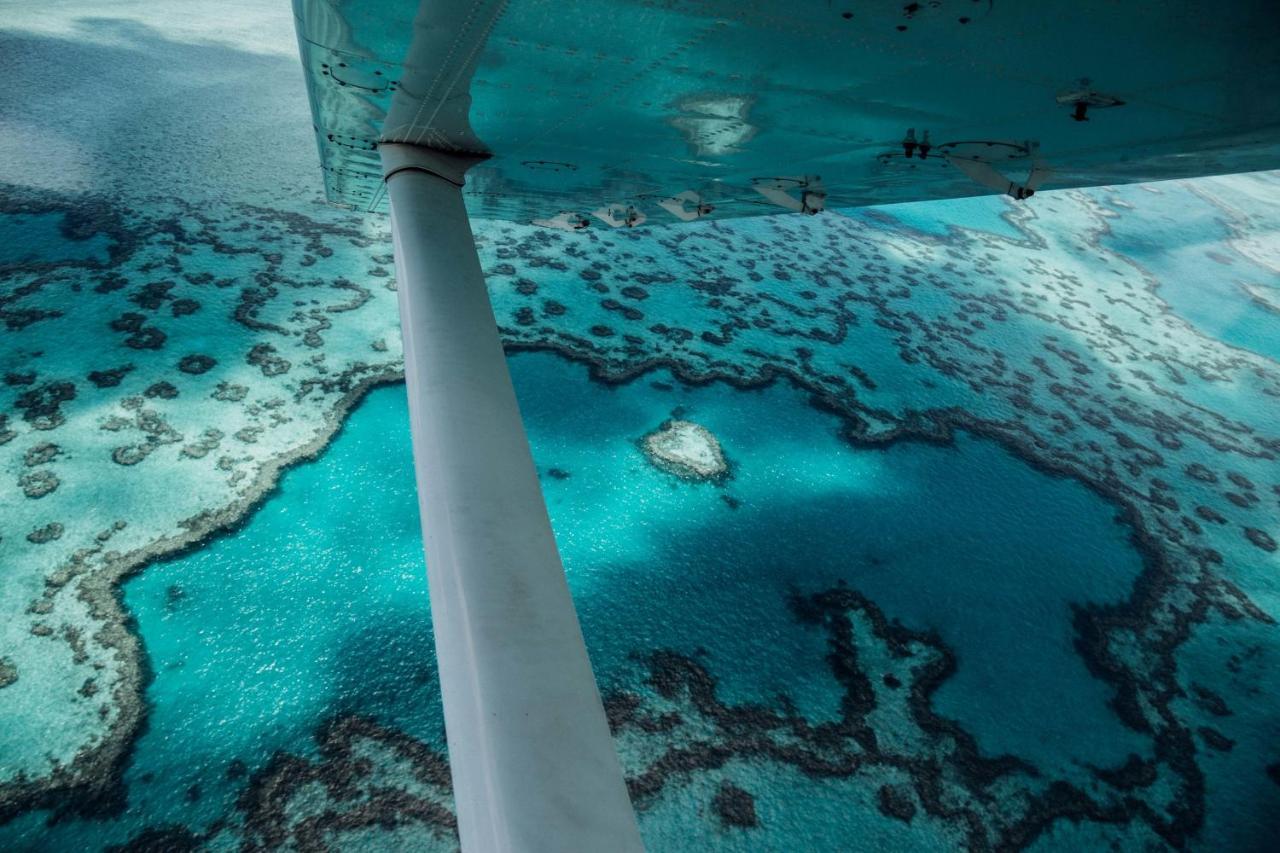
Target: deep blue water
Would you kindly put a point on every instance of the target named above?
(1000, 549)
(318, 604)
(38, 238)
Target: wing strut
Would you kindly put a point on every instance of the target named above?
(533, 762)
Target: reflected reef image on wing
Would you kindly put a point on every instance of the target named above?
(946, 525)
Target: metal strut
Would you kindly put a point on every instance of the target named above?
(533, 763)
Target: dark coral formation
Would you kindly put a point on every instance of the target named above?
(140, 335)
(197, 363)
(8, 673)
(47, 533)
(735, 807)
(896, 802)
(163, 839)
(37, 484)
(951, 779)
(109, 378)
(358, 792)
(1260, 538)
(1215, 739)
(184, 307)
(161, 390)
(41, 406)
(264, 357)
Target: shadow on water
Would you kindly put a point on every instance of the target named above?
(722, 584)
(388, 671)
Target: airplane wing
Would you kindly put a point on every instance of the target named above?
(670, 110)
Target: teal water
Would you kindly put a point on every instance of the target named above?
(317, 606)
(940, 218)
(1238, 661)
(39, 238)
(1001, 549)
(1182, 241)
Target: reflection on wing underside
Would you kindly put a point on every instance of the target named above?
(1083, 96)
(978, 160)
(565, 221)
(686, 206)
(982, 161)
(984, 174)
(810, 197)
(620, 215)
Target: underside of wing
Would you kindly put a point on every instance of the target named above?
(618, 112)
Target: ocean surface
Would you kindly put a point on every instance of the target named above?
(993, 564)
(317, 606)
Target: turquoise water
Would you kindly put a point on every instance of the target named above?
(1183, 243)
(939, 218)
(1238, 661)
(1002, 550)
(41, 238)
(317, 605)
(312, 612)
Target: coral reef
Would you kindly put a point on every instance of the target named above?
(1037, 335)
(686, 449)
(154, 452)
